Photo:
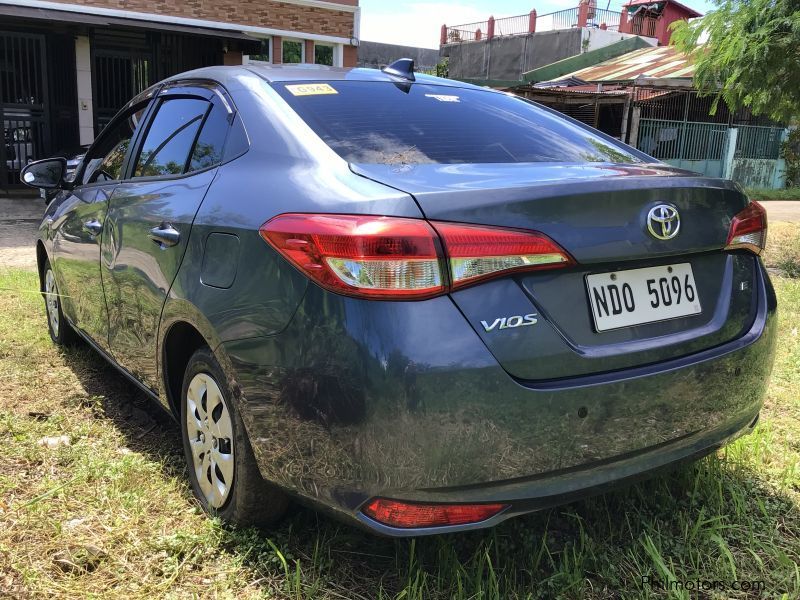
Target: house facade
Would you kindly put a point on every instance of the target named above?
(67, 66)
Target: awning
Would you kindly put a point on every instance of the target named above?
(46, 14)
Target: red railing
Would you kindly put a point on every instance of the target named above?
(583, 15)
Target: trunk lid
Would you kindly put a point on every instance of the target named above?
(598, 213)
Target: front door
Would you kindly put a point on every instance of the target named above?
(150, 218)
(78, 228)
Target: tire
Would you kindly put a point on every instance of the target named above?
(60, 330)
(244, 498)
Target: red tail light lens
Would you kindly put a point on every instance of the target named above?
(408, 515)
(366, 256)
(749, 229)
(403, 259)
(476, 252)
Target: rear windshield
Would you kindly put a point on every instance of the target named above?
(396, 123)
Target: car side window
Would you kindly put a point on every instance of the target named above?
(210, 144)
(105, 159)
(170, 139)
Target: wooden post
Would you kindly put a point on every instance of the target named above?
(633, 137)
(277, 50)
(532, 21)
(490, 29)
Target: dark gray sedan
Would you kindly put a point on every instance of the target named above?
(421, 305)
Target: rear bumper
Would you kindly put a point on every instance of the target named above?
(359, 399)
(526, 495)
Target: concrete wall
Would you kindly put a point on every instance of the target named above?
(759, 172)
(507, 58)
(375, 55)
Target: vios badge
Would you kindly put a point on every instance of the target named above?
(510, 322)
(663, 222)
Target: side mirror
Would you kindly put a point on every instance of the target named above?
(47, 174)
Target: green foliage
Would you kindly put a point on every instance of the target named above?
(791, 154)
(443, 68)
(765, 195)
(750, 58)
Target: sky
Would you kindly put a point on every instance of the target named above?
(417, 22)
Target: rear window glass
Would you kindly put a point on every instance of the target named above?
(398, 123)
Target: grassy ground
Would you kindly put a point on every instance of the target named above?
(768, 194)
(107, 512)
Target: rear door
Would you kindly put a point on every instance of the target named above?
(150, 217)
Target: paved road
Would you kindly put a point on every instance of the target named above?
(783, 210)
(20, 217)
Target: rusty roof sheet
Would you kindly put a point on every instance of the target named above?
(663, 62)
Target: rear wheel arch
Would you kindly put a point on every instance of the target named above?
(181, 341)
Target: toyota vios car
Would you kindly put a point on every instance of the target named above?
(421, 305)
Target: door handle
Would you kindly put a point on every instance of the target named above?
(94, 227)
(165, 235)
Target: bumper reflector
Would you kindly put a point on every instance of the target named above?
(396, 513)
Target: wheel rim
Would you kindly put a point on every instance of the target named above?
(51, 300)
(210, 433)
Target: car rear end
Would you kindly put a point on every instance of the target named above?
(564, 314)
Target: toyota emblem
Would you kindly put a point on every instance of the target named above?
(663, 222)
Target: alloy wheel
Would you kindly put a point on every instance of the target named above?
(210, 433)
(51, 300)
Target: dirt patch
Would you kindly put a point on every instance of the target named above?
(19, 222)
(783, 210)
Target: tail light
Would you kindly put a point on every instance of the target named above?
(749, 229)
(365, 256)
(477, 252)
(406, 515)
(404, 259)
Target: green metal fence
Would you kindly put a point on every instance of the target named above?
(759, 142)
(747, 153)
(695, 146)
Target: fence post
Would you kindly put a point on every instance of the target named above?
(730, 153)
(532, 21)
(443, 35)
(490, 28)
(478, 34)
(623, 21)
(583, 13)
(633, 136)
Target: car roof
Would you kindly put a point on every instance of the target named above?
(309, 72)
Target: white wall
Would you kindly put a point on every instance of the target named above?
(598, 38)
(83, 64)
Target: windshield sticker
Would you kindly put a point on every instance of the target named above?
(311, 89)
(443, 97)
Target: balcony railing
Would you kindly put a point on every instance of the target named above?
(583, 15)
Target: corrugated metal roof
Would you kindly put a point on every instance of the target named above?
(663, 62)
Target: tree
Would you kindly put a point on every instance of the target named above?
(747, 53)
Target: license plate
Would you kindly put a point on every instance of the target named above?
(637, 296)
